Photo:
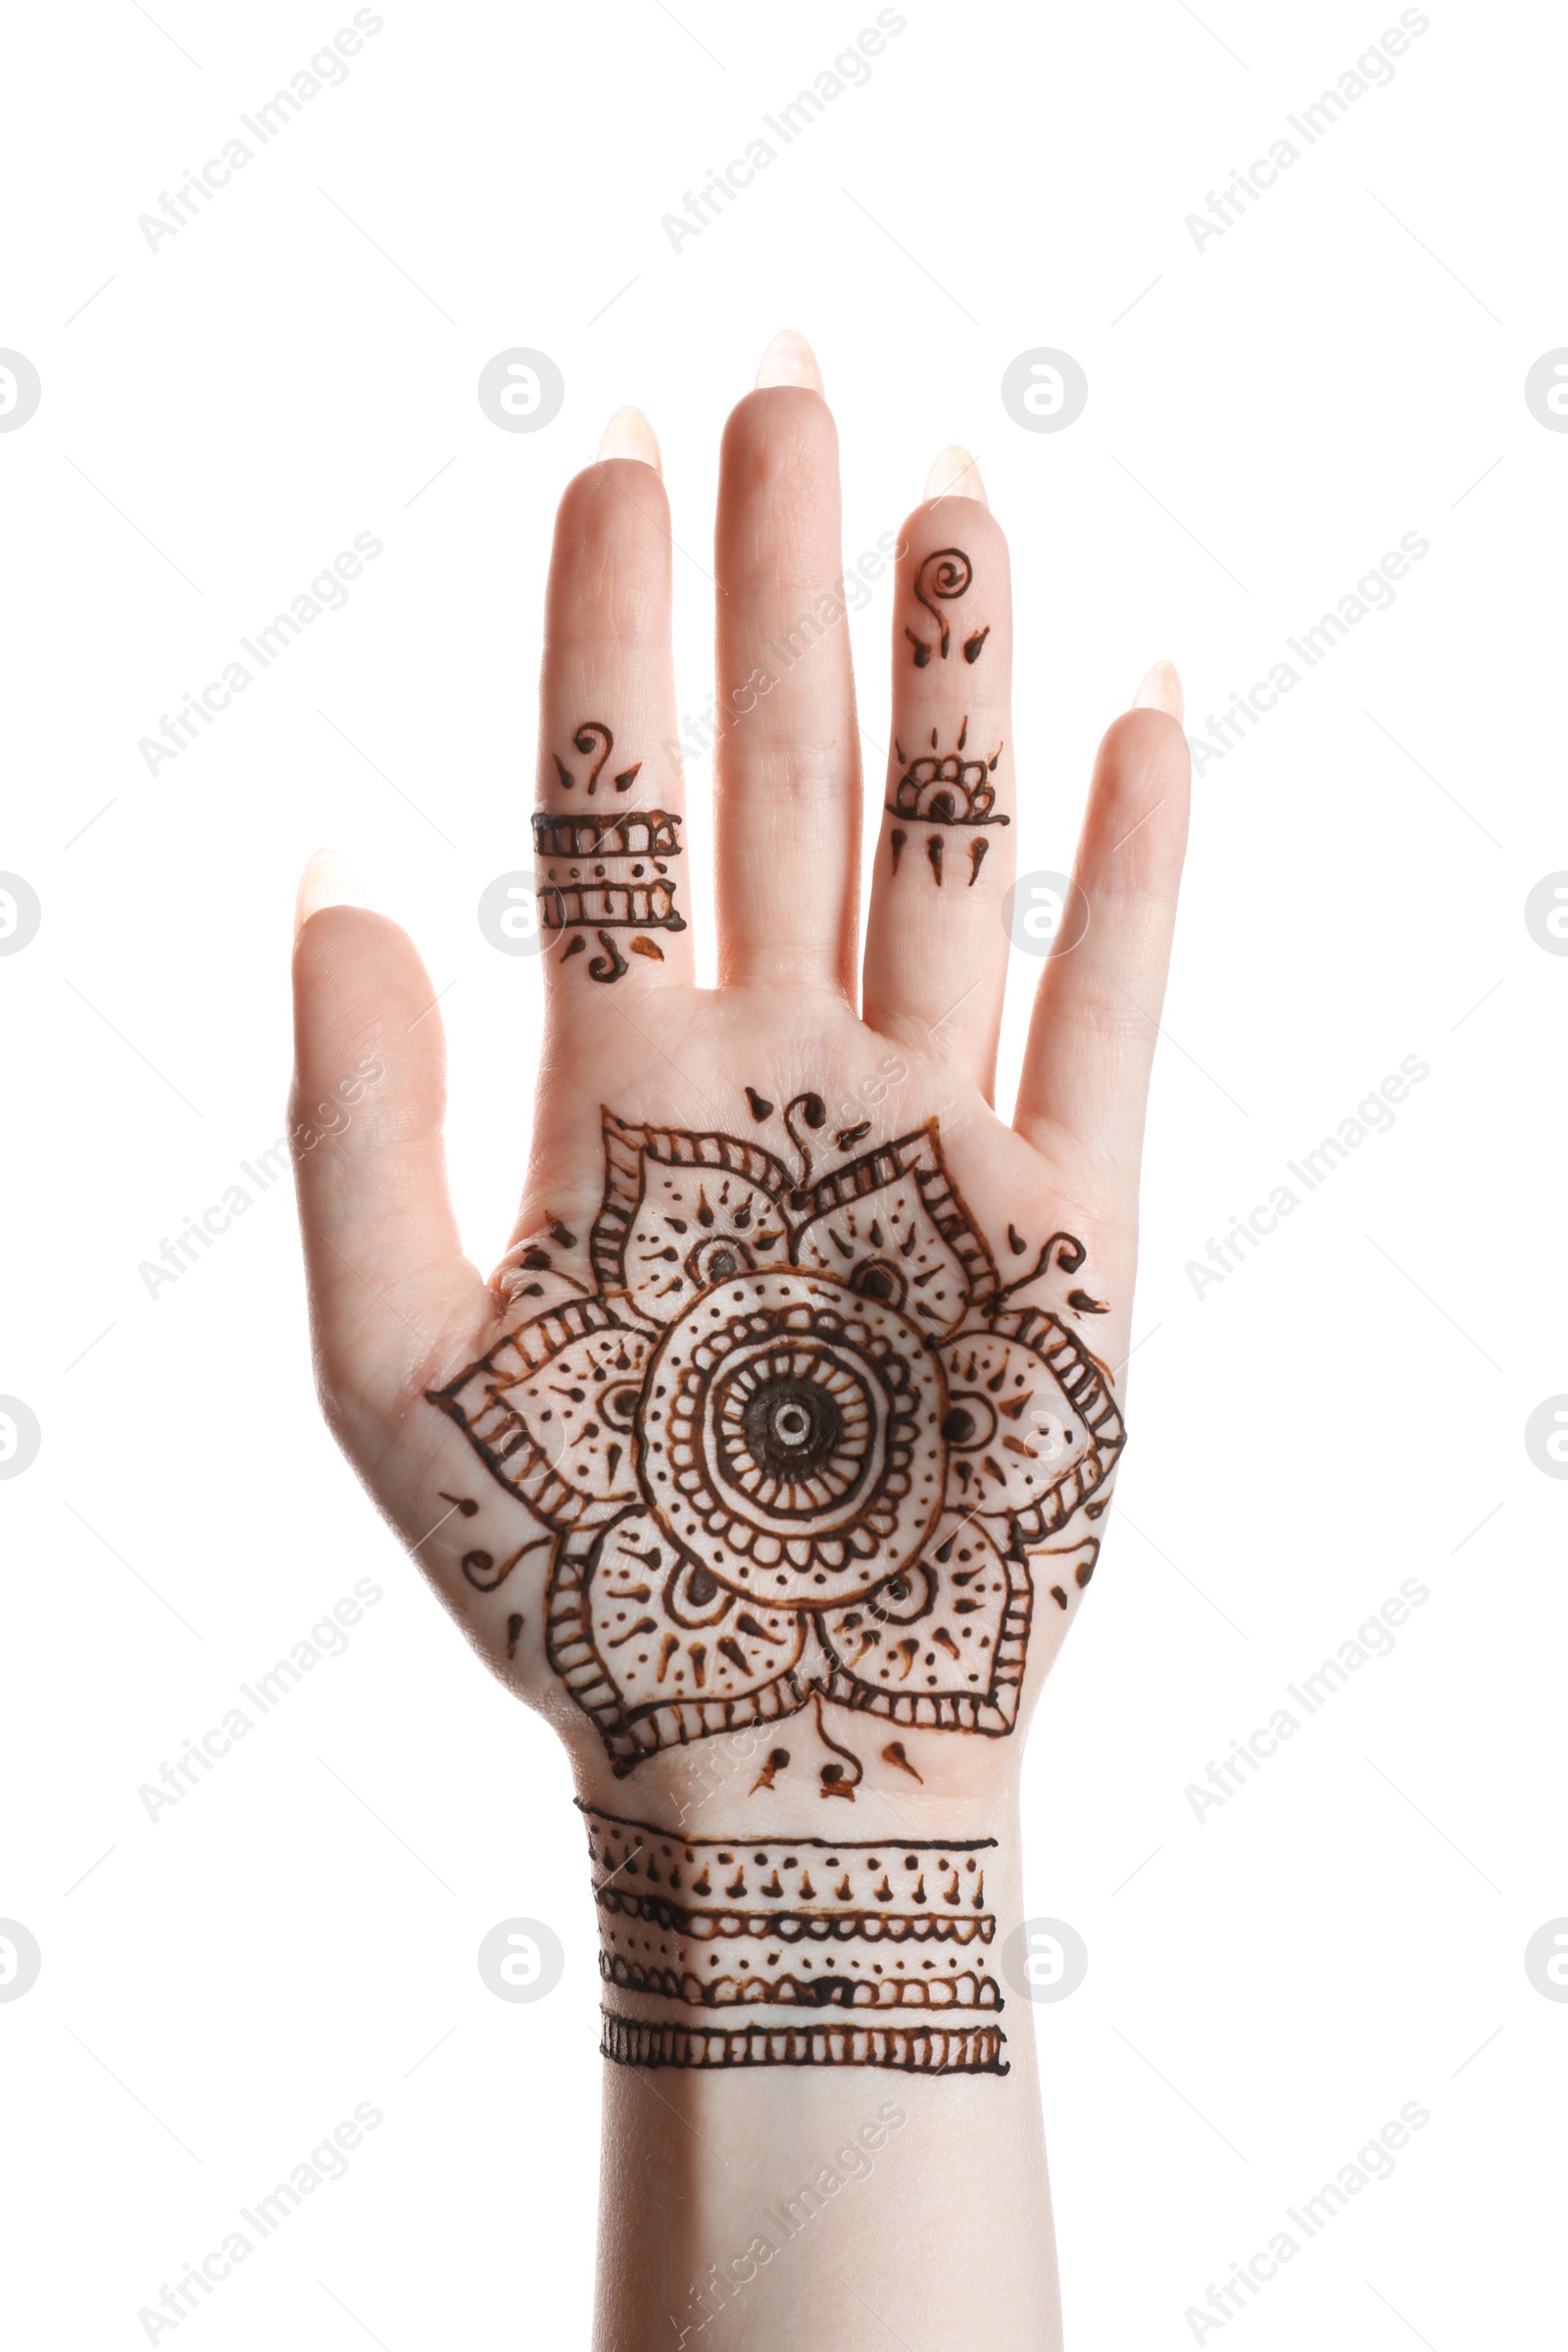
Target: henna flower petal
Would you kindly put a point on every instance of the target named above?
(682, 1212)
(550, 1413)
(1031, 1426)
(656, 1651)
(939, 1645)
(891, 1225)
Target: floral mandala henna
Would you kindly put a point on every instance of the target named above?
(799, 1447)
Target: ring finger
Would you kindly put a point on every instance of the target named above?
(936, 955)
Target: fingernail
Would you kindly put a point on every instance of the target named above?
(325, 882)
(628, 434)
(1161, 690)
(789, 360)
(956, 475)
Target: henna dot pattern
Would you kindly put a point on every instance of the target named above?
(802, 1953)
(604, 873)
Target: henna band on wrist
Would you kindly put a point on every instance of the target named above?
(711, 1948)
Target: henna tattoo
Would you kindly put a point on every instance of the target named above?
(609, 963)
(777, 1762)
(914, 2050)
(944, 790)
(798, 1449)
(482, 1573)
(943, 787)
(894, 1754)
(845, 1773)
(1083, 1557)
(1070, 1256)
(514, 1629)
(760, 1107)
(810, 1112)
(604, 875)
(738, 1924)
(594, 736)
(944, 575)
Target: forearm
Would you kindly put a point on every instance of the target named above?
(827, 2132)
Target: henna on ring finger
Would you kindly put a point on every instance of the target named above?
(936, 948)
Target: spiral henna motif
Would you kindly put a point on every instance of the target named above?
(942, 575)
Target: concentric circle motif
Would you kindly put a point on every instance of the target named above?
(792, 1438)
(796, 1433)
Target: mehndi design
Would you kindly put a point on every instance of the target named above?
(727, 1940)
(799, 1446)
(946, 789)
(607, 873)
(944, 575)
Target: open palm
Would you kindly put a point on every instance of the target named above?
(775, 1454)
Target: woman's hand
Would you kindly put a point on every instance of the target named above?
(772, 1462)
(792, 1410)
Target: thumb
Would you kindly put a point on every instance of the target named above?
(395, 1306)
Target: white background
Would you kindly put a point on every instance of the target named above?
(1343, 365)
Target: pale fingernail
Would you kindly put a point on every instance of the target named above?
(325, 882)
(1161, 690)
(956, 475)
(789, 360)
(628, 434)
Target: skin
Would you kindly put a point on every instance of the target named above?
(951, 2213)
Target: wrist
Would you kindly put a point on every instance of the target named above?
(743, 1948)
